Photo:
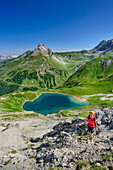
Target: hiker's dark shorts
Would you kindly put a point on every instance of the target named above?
(91, 129)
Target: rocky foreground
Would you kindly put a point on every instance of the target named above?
(65, 147)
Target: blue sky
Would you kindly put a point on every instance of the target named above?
(63, 25)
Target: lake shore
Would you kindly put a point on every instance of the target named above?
(66, 103)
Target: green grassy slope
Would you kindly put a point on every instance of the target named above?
(93, 77)
(28, 72)
(73, 60)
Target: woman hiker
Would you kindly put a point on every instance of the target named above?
(92, 124)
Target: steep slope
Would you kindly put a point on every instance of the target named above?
(75, 59)
(96, 75)
(31, 71)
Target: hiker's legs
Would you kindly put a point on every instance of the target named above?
(90, 140)
(90, 135)
(91, 131)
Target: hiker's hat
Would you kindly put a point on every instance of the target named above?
(92, 112)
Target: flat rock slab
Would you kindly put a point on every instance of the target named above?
(12, 136)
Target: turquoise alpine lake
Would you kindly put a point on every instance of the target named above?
(48, 103)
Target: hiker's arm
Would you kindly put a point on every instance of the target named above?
(96, 124)
(83, 122)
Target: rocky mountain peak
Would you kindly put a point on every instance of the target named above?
(43, 49)
(103, 42)
(104, 46)
(40, 44)
(110, 41)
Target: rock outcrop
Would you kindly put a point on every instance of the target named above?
(103, 46)
(12, 136)
(65, 147)
(107, 63)
(42, 49)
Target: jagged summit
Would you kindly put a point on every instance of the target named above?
(43, 49)
(37, 67)
(104, 46)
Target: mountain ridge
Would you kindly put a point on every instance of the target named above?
(31, 71)
(92, 78)
(103, 46)
(43, 69)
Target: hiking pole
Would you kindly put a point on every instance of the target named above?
(82, 129)
(108, 140)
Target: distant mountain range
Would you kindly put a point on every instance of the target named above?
(5, 57)
(100, 49)
(75, 59)
(43, 69)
